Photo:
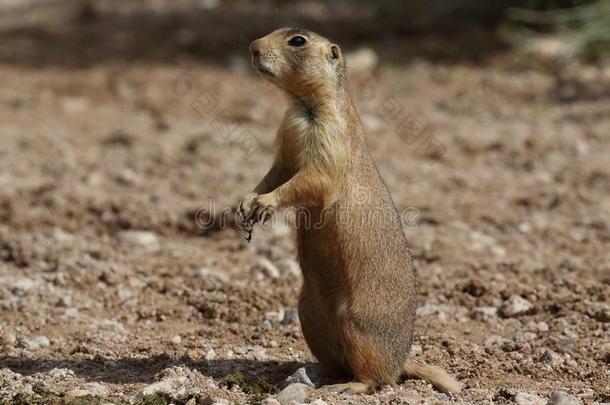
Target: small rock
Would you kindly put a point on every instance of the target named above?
(73, 105)
(144, 239)
(275, 316)
(538, 326)
(108, 325)
(167, 386)
(599, 311)
(71, 313)
(270, 401)
(484, 313)
(570, 334)
(523, 398)
(21, 285)
(571, 363)
(565, 346)
(23, 343)
(289, 267)
(259, 353)
(96, 389)
(8, 338)
(294, 392)
(265, 325)
(291, 315)
(59, 235)
(40, 342)
(495, 340)
(550, 48)
(210, 355)
(304, 375)
(562, 398)
(127, 177)
(482, 239)
(207, 272)
(429, 309)
(416, 350)
(60, 373)
(318, 402)
(175, 340)
(548, 356)
(524, 227)
(523, 337)
(515, 306)
(78, 393)
(268, 268)
(498, 251)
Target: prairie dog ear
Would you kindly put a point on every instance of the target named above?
(335, 53)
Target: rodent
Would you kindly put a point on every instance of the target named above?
(359, 295)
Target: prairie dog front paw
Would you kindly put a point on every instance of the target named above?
(264, 206)
(246, 208)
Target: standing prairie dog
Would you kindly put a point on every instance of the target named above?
(357, 305)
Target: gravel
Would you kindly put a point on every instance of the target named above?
(101, 251)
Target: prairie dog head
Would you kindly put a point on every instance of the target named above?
(297, 60)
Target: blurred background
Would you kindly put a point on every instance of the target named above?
(130, 129)
(81, 33)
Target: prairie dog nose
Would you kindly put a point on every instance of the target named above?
(255, 48)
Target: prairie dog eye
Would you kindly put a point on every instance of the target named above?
(297, 41)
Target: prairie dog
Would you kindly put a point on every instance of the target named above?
(359, 295)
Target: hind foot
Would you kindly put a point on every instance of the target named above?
(353, 387)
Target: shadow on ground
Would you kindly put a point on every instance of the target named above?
(133, 370)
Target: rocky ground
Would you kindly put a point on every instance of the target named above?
(123, 278)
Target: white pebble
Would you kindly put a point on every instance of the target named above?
(139, 238)
(514, 306)
(524, 398)
(41, 342)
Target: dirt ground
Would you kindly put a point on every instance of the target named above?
(117, 271)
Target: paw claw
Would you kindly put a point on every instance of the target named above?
(254, 208)
(245, 210)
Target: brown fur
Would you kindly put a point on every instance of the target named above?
(359, 295)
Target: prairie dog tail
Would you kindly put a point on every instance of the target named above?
(434, 375)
